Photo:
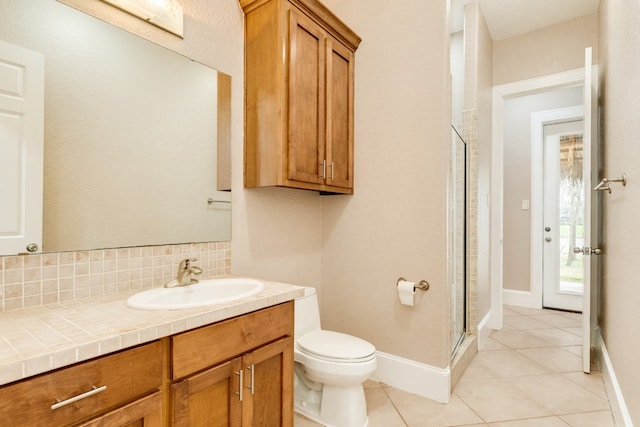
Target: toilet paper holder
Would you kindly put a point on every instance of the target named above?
(423, 285)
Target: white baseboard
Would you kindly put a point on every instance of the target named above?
(484, 330)
(616, 400)
(518, 298)
(414, 377)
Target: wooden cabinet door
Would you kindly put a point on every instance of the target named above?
(307, 160)
(268, 381)
(145, 412)
(340, 93)
(209, 399)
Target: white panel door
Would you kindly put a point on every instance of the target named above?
(21, 148)
(592, 212)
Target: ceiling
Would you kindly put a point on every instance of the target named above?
(508, 18)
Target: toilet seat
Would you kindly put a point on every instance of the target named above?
(336, 347)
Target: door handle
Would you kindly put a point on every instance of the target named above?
(547, 229)
(547, 239)
(587, 251)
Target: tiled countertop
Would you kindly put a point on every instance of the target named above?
(40, 339)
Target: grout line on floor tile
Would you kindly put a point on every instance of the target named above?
(384, 389)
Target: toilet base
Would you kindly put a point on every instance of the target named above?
(331, 406)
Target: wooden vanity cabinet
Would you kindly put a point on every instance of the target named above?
(299, 90)
(121, 389)
(238, 372)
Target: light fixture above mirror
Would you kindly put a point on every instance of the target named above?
(165, 14)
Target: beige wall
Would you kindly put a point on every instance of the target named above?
(395, 224)
(546, 51)
(620, 98)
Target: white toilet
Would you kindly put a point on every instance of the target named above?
(330, 368)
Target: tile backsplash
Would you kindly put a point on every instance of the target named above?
(34, 280)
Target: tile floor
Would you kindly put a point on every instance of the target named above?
(529, 374)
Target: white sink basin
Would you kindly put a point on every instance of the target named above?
(207, 292)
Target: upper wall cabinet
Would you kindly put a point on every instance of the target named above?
(299, 78)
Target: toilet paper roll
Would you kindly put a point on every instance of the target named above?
(406, 291)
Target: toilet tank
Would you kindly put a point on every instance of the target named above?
(307, 313)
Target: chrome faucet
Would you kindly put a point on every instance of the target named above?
(185, 271)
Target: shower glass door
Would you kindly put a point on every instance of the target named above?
(458, 238)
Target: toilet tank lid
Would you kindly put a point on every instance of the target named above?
(335, 345)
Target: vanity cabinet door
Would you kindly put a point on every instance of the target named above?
(209, 399)
(268, 379)
(145, 412)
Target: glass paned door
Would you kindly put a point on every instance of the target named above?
(571, 202)
(563, 216)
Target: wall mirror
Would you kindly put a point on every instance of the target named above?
(130, 149)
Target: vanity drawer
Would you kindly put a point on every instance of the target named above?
(207, 346)
(126, 375)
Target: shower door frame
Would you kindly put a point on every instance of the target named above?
(457, 341)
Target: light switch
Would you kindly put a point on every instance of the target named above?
(525, 205)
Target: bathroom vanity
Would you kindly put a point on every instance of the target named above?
(229, 366)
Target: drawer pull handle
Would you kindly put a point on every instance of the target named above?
(94, 390)
(239, 392)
